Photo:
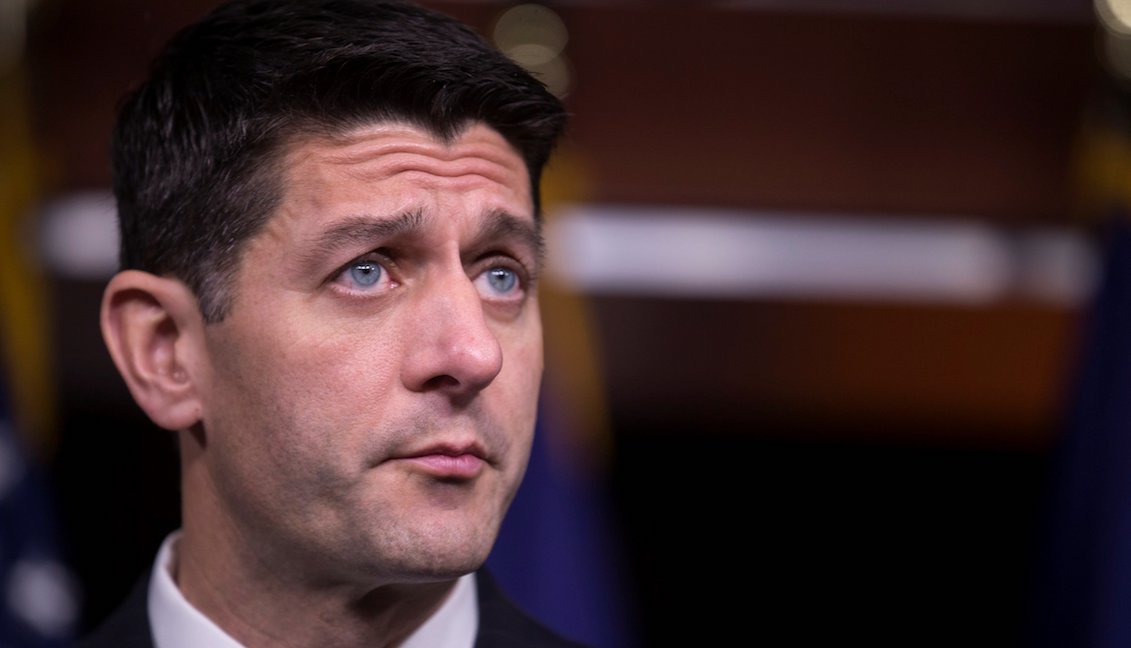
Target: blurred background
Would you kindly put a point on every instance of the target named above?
(834, 323)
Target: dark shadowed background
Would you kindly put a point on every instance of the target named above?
(856, 441)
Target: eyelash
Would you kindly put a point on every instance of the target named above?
(377, 258)
(523, 277)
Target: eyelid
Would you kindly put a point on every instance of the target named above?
(526, 276)
(528, 259)
(380, 256)
(519, 294)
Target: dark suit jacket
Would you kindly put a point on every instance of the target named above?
(501, 623)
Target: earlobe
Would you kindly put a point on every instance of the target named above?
(154, 332)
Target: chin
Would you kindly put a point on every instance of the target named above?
(447, 557)
(442, 570)
(461, 561)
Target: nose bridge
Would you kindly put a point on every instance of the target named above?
(455, 346)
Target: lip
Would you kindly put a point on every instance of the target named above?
(449, 461)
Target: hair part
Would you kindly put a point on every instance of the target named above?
(197, 150)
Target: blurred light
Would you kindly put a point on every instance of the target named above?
(44, 595)
(79, 236)
(701, 253)
(531, 54)
(1115, 19)
(13, 24)
(1115, 15)
(531, 23)
(535, 37)
(716, 254)
(1054, 266)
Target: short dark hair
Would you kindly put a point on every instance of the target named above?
(197, 146)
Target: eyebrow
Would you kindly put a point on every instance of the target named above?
(363, 229)
(360, 230)
(501, 225)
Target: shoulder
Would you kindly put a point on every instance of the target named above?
(127, 626)
(503, 625)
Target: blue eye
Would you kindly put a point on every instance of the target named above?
(502, 280)
(365, 273)
(369, 276)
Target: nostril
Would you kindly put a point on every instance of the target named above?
(441, 382)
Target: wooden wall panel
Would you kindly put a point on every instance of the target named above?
(991, 377)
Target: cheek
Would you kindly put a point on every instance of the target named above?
(291, 420)
(286, 385)
(333, 357)
(522, 372)
(521, 342)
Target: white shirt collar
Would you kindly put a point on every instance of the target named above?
(177, 624)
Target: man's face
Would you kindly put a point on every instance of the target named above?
(371, 395)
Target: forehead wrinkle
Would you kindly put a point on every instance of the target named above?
(386, 153)
(469, 167)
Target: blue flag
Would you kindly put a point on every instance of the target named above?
(38, 602)
(1083, 586)
(559, 554)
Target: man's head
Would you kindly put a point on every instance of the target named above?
(196, 148)
(330, 248)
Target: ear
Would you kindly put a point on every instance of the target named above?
(154, 331)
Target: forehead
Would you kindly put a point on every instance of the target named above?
(397, 154)
(366, 181)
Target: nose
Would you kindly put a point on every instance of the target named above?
(450, 345)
